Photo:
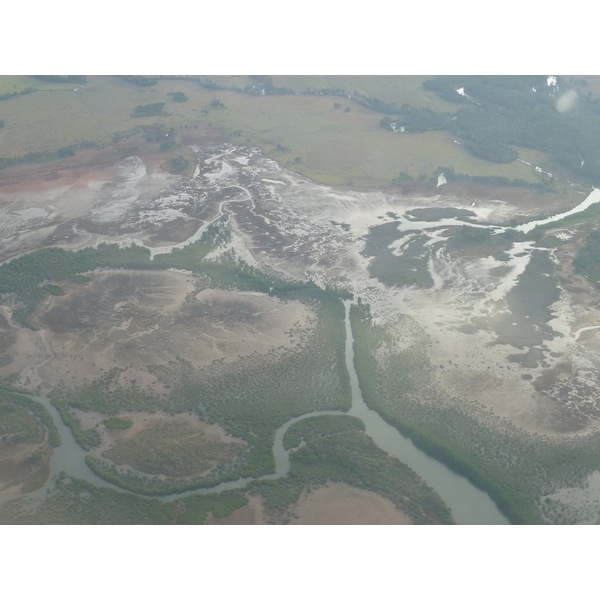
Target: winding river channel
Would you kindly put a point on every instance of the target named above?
(468, 504)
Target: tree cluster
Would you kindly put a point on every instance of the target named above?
(500, 112)
(156, 109)
(36, 157)
(10, 95)
(587, 262)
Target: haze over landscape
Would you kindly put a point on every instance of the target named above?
(299, 299)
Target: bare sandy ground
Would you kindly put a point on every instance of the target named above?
(333, 504)
(129, 319)
(35, 199)
(342, 504)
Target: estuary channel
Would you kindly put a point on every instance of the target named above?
(468, 504)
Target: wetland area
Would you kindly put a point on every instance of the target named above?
(241, 344)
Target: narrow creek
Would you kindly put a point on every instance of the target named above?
(468, 504)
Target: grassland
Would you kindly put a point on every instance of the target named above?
(183, 451)
(334, 146)
(17, 83)
(388, 88)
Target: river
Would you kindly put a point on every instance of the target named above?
(468, 504)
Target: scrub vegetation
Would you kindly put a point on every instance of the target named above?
(18, 425)
(172, 449)
(587, 262)
(515, 468)
(22, 279)
(77, 502)
(155, 109)
(86, 438)
(36, 409)
(117, 423)
(335, 448)
(250, 398)
(139, 352)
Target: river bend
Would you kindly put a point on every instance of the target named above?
(468, 504)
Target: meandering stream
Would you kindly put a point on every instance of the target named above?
(468, 504)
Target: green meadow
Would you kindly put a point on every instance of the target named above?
(330, 139)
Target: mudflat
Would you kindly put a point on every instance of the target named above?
(343, 504)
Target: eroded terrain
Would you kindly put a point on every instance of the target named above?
(130, 319)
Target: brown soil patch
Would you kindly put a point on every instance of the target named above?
(34, 177)
(511, 397)
(342, 504)
(129, 319)
(85, 166)
(65, 193)
(18, 473)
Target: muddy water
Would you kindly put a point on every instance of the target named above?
(68, 457)
(469, 505)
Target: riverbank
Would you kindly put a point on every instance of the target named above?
(383, 461)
